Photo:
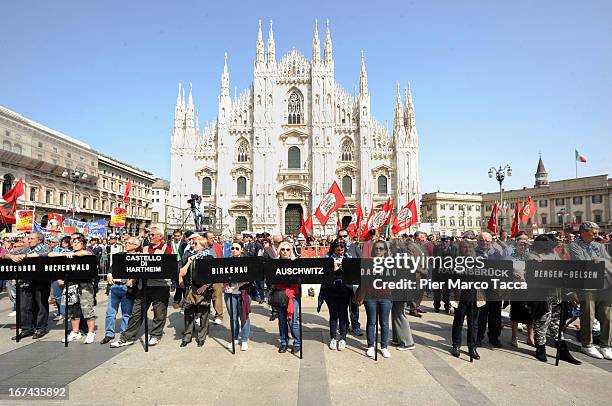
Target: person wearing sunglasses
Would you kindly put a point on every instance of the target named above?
(353, 251)
(378, 307)
(237, 296)
(80, 295)
(288, 316)
(337, 296)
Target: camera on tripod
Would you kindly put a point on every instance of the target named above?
(192, 201)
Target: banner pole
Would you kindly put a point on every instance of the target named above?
(144, 313)
(376, 336)
(561, 325)
(65, 311)
(231, 314)
(472, 304)
(300, 316)
(17, 309)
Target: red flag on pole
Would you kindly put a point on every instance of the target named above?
(332, 201)
(389, 207)
(128, 188)
(406, 217)
(12, 195)
(528, 210)
(354, 228)
(382, 217)
(306, 228)
(515, 221)
(367, 226)
(338, 223)
(492, 224)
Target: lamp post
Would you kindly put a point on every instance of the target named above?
(561, 214)
(500, 174)
(74, 177)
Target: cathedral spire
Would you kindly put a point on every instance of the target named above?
(259, 47)
(399, 110)
(271, 47)
(316, 45)
(409, 107)
(189, 110)
(179, 109)
(178, 96)
(225, 79)
(363, 77)
(197, 119)
(541, 176)
(327, 53)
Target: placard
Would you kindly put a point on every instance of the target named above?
(118, 217)
(24, 220)
(565, 274)
(351, 270)
(144, 266)
(50, 268)
(224, 270)
(309, 270)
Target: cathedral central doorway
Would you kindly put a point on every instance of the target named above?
(293, 219)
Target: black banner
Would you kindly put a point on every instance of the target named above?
(307, 270)
(225, 270)
(50, 268)
(565, 274)
(350, 272)
(144, 266)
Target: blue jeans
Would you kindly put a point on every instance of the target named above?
(235, 301)
(382, 307)
(117, 296)
(12, 289)
(57, 294)
(285, 325)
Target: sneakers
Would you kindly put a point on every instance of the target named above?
(229, 345)
(406, 347)
(244, 346)
(59, 317)
(106, 340)
(90, 338)
(606, 352)
(12, 314)
(333, 344)
(592, 352)
(73, 336)
(385, 352)
(341, 345)
(153, 341)
(370, 352)
(121, 342)
(218, 321)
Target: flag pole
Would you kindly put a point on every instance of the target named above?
(576, 163)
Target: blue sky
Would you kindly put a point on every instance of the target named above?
(493, 82)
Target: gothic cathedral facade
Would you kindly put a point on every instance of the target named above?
(275, 149)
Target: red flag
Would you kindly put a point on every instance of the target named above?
(390, 203)
(382, 217)
(6, 217)
(367, 226)
(406, 217)
(12, 195)
(306, 229)
(338, 223)
(355, 226)
(528, 210)
(332, 201)
(128, 188)
(492, 224)
(515, 221)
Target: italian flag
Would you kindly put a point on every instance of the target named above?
(580, 157)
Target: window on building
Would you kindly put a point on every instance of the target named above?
(62, 199)
(85, 202)
(442, 207)
(68, 154)
(103, 205)
(33, 194)
(7, 133)
(206, 186)
(543, 203)
(347, 150)
(294, 108)
(578, 218)
(347, 185)
(461, 207)
(113, 186)
(469, 207)
(241, 186)
(382, 185)
(511, 206)
(293, 158)
(40, 157)
(596, 199)
(243, 151)
(488, 207)
(477, 222)
(461, 222)
(452, 222)
(155, 217)
(577, 200)
(95, 204)
(40, 144)
(469, 222)
(54, 161)
(7, 183)
(241, 224)
(6, 145)
(543, 220)
(559, 201)
(17, 149)
(597, 218)
(48, 196)
(443, 221)
(451, 207)
(477, 208)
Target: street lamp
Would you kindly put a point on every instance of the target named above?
(74, 176)
(500, 174)
(562, 213)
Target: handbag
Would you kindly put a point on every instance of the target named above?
(278, 298)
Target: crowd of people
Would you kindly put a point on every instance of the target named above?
(201, 304)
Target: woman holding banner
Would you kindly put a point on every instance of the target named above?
(82, 297)
(378, 308)
(197, 297)
(285, 299)
(237, 296)
(337, 295)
